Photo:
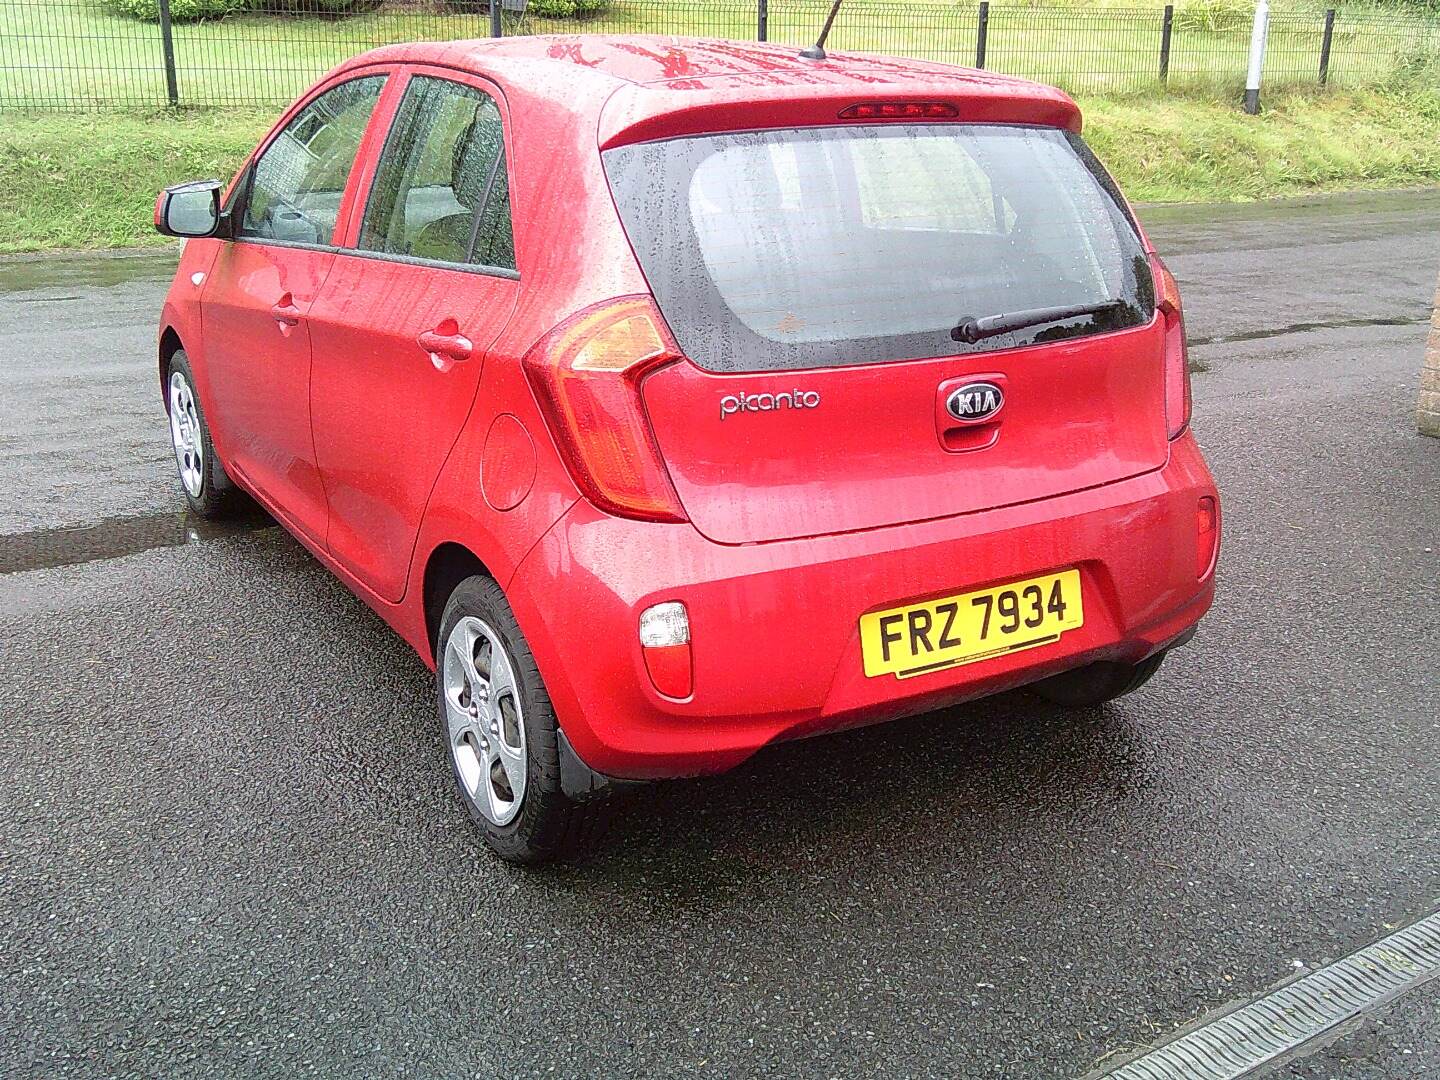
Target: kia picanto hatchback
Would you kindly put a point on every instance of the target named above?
(676, 397)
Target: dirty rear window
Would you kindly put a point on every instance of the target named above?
(821, 247)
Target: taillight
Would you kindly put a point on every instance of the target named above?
(1177, 363)
(1207, 535)
(586, 374)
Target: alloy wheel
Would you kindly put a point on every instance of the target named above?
(185, 434)
(483, 719)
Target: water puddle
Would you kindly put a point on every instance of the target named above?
(24, 274)
(1306, 327)
(45, 549)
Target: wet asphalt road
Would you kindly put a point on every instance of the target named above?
(230, 845)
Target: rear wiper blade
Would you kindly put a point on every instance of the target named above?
(970, 329)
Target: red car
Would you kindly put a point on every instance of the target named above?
(677, 397)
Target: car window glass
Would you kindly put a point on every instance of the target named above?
(926, 165)
(494, 243)
(441, 192)
(297, 183)
(815, 247)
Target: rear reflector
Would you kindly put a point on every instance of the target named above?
(900, 110)
(586, 374)
(665, 643)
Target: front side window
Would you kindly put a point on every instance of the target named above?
(441, 193)
(297, 183)
(816, 247)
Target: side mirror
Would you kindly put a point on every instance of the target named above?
(191, 210)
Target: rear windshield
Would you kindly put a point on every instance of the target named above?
(819, 247)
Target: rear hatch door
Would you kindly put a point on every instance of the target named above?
(814, 278)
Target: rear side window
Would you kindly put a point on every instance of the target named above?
(296, 185)
(822, 247)
(440, 191)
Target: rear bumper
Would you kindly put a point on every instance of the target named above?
(774, 627)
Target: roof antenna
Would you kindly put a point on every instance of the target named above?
(817, 51)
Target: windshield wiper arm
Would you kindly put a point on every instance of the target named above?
(970, 329)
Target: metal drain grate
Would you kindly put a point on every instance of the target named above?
(1239, 1042)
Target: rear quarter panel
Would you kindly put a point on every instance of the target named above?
(570, 252)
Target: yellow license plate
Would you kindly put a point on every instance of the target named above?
(962, 629)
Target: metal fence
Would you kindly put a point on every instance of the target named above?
(85, 54)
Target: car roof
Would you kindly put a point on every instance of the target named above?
(644, 59)
(638, 78)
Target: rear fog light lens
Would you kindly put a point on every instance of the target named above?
(1207, 534)
(665, 643)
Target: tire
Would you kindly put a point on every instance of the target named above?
(203, 480)
(1098, 683)
(497, 749)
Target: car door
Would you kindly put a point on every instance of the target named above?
(403, 322)
(258, 296)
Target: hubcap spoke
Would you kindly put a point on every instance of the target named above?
(502, 675)
(470, 763)
(456, 714)
(512, 760)
(479, 689)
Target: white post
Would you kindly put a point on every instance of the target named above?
(1257, 56)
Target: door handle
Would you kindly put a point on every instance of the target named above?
(445, 345)
(285, 312)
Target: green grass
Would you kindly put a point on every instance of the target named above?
(75, 180)
(1207, 150)
(89, 180)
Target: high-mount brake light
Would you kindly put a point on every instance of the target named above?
(586, 374)
(900, 110)
(1177, 362)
